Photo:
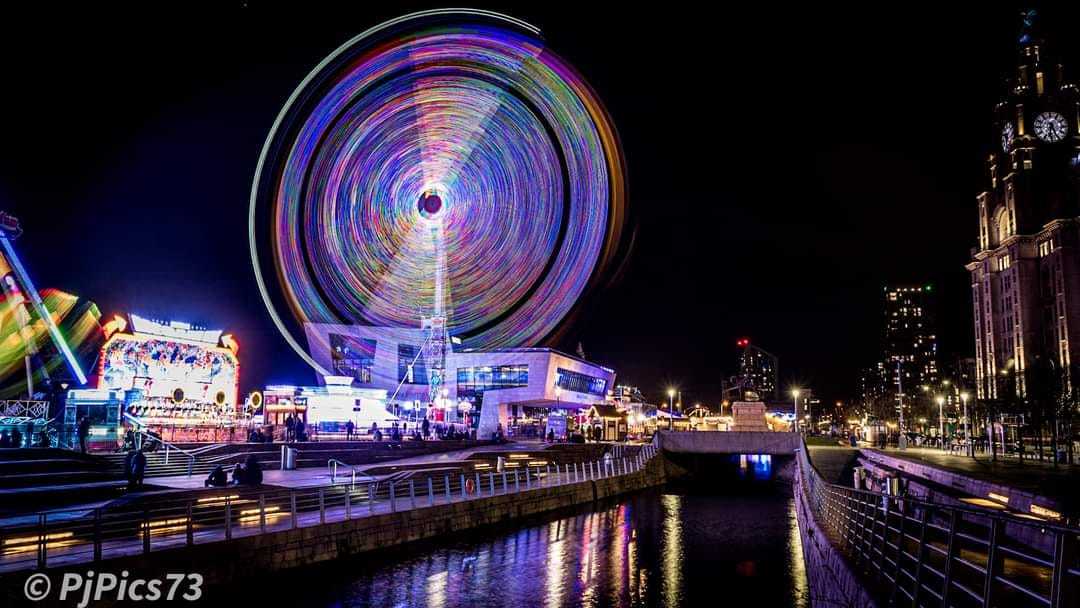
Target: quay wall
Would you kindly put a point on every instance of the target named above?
(831, 580)
(257, 555)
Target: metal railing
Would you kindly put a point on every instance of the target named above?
(143, 436)
(63, 537)
(944, 555)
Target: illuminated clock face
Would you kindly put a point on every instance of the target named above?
(1051, 126)
(1007, 135)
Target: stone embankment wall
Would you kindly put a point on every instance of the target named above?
(832, 582)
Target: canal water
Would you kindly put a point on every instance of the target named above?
(731, 541)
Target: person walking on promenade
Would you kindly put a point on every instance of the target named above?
(83, 431)
(290, 428)
(349, 426)
(425, 428)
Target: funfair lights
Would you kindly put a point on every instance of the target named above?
(448, 143)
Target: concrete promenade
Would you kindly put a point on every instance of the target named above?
(260, 534)
(320, 476)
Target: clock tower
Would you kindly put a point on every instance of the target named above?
(1025, 272)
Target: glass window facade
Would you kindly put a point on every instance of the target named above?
(405, 355)
(352, 357)
(580, 383)
(473, 381)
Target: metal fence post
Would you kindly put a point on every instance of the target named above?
(920, 555)
(146, 531)
(504, 481)
(575, 472)
(228, 519)
(348, 503)
(371, 489)
(950, 556)
(1064, 554)
(322, 506)
(997, 530)
(517, 484)
(393, 499)
(430, 492)
(43, 522)
(446, 486)
(528, 480)
(292, 508)
(97, 533)
(479, 492)
(491, 482)
(412, 494)
(463, 494)
(262, 513)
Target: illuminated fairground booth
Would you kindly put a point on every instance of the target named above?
(170, 378)
(327, 409)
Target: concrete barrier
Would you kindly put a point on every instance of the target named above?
(729, 442)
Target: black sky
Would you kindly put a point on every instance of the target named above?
(783, 166)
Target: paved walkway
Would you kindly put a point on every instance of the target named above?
(833, 462)
(319, 476)
(1040, 478)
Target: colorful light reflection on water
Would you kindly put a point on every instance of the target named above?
(671, 547)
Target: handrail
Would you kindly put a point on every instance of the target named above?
(141, 433)
(877, 530)
(91, 535)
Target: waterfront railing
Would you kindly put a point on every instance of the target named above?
(922, 553)
(63, 537)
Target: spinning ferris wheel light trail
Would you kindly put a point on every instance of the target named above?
(445, 162)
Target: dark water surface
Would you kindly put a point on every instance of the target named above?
(673, 546)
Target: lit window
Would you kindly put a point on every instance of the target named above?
(1004, 262)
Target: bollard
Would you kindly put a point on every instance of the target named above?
(430, 493)
(393, 499)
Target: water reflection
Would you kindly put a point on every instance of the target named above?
(672, 547)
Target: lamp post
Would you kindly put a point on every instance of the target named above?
(941, 419)
(670, 409)
(967, 429)
(795, 397)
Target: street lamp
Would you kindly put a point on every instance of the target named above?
(941, 419)
(670, 409)
(967, 429)
(795, 397)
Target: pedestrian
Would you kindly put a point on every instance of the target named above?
(290, 428)
(551, 436)
(349, 430)
(84, 432)
(425, 428)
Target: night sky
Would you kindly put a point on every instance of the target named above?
(782, 167)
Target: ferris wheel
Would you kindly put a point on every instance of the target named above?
(445, 169)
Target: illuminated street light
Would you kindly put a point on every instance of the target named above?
(941, 419)
(671, 409)
(967, 429)
(795, 396)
